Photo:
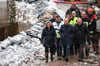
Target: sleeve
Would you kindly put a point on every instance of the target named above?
(94, 25)
(54, 36)
(43, 35)
(78, 13)
(60, 31)
(67, 12)
(72, 32)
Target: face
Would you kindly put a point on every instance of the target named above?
(58, 19)
(79, 21)
(83, 14)
(73, 13)
(73, 6)
(66, 21)
(90, 12)
(48, 25)
(54, 16)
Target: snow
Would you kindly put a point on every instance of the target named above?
(25, 48)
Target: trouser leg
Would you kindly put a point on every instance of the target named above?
(71, 50)
(67, 52)
(51, 52)
(46, 53)
(80, 51)
(59, 49)
(76, 49)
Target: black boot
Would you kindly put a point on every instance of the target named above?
(46, 59)
(51, 57)
(46, 56)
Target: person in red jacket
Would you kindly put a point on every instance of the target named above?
(92, 26)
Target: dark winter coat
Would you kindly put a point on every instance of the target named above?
(69, 11)
(85, 20)
(66, 32)
(48, 37)
(91, 23)
(80, 33)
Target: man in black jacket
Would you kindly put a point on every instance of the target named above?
(74, 8)
(66, 33)
(85, 21)
(80, 37)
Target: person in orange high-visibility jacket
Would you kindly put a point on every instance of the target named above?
(92, 26)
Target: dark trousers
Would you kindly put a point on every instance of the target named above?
(76, 48)
(59, 47)
(72, 49)
(66, 49)
(81, 50)
(47, 51)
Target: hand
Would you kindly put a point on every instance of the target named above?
(91, 36)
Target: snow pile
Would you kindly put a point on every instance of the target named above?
(29, 13)
(26, 47)
(23, 48)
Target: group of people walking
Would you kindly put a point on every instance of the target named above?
(72, 35)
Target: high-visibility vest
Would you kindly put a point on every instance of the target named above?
(57, 28)
(74, 21)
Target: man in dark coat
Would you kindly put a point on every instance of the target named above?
(80, 37)
(48, 39)
(66, 33)
(74, 8)
(85, 21)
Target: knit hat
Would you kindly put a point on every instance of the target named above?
(90, 10)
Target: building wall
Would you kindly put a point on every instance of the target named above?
(3, 11)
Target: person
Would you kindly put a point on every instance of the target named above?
(81, 32)
(73, 22)
(48, 39)
(57, 25)
(92, 26)
(54, 17)
(73, 19)
(85, 21)
(74, 8)
(66, 33)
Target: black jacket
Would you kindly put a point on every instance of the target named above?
(80, 33)
(48, 37)
(69, 11)
(85, 20)
(91, 24)
(52, 20)
(66, 32)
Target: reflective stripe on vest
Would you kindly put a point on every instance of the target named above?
(57, 34)
(91, 32)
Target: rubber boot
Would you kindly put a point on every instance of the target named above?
(51, 56)
(46, 56)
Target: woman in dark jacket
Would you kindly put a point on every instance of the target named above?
(48, 39)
